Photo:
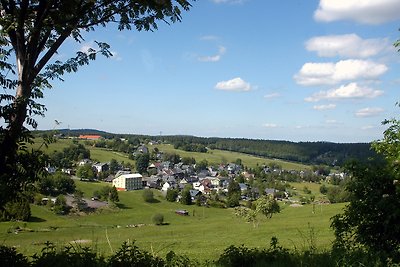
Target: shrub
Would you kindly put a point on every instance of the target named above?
(148, 196)
(130, 255)
(172, 195)
(18, 209)
(10, 257)
(158, 219)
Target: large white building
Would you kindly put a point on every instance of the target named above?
(127, 182)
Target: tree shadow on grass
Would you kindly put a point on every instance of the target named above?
(122, 206)
(36, 219)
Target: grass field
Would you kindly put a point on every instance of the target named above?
(214, 157)
(202, 235)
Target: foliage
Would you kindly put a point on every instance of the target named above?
(113, 195)
(142, 162)
(60, 206)
(172, 195)
(186, 198)
(85, 172)
(31, 33)
(267, 206)
(233, 196)
(158, 219)
(372, 216)
(148, 196)
(58, 183)
(68, 256)
(10, 257)
(130, 255)
(338, 194)
(17, 209)
(323, 189)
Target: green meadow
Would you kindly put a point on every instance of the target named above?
(213, 157)
(204, 234)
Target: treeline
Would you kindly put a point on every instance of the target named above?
(333, 154)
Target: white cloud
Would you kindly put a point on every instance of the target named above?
(362, 11)
(235, 84)
(368, 112)
(349, 91)
(324, 107)
(87, 47)
(272, 95)
(333, 73)
(347, 45)
(368, 127)
(270, 125)
(215, 58)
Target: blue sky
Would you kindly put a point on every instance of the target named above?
(278, 69)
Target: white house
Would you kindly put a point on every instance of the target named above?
(127, 182)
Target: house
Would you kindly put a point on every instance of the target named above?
(194, 193)
(143, 149)
(84, 162)
(127, 182)
(101, 167)
(243, 187)
(167, 185)
(270, 191)
(89, 137)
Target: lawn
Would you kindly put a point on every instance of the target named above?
(202, 235)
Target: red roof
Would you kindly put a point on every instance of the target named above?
(92, 137)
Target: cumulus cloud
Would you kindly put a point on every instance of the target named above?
(235, 84)
(270, 125)
(324, 107)
(272, 95)
(214, 58)
(361, 11)
(349, 91)
(347, 45)
(333, 73)
(368, 112)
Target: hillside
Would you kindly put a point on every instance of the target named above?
(333, 154)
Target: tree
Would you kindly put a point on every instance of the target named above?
(234, 193)
(114, 166)
(267, 205)
(113, 195)
(142, 162)
(85, 172)
(32, 32)
(60, 206)
(186, 198)
(172, 195)
(63, 183)
(372, 217)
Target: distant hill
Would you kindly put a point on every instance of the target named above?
(333, 154)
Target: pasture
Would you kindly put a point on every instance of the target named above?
(203, 235)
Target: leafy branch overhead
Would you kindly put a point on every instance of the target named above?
(31, 33)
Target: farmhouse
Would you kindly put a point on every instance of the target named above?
(127, 182)
(90, 137)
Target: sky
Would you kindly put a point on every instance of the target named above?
(291, 70)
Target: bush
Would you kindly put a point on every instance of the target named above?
(18, 209)
(10, 257)
(158, 219)
(148, 196)
(172, 195)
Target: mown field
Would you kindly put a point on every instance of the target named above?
(202, 235)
